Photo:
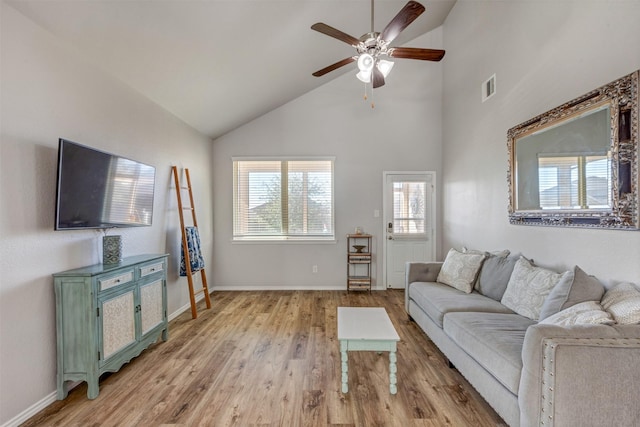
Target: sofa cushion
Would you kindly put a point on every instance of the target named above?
(528, 287)
(575, 287)
(583, 313)
(494, 275)
(460, 270)
(494, 340)
(623, 302)
(437, 299)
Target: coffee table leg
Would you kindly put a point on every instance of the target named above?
(345, 367)
(393, 380)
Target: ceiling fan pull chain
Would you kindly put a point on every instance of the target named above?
(373, 105)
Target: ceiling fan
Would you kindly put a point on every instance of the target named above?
(373, 45)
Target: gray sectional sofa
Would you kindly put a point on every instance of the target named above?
(552, 367)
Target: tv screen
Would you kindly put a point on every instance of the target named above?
(101, 190)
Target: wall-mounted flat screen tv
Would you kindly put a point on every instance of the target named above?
(101, 190)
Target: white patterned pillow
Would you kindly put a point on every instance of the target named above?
(528, 287)
(584, 313)
(460, 270)
(623, 302)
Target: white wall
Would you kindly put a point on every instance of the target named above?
(47, 93)
(544, 54)
(402, 132)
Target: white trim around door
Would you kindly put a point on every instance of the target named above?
(409, 222)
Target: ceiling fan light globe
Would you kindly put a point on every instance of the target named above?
(385, 67)
(364, 76)
(365, 62)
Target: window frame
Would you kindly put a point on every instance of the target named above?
(284, 238)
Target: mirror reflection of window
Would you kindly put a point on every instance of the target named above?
(562, 166)
(574, 182)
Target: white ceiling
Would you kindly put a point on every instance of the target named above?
(217, 64)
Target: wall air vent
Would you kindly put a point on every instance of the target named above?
(488, 88)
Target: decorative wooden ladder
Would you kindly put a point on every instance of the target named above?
(185, 246)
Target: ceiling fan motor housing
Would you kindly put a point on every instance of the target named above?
(370, 43)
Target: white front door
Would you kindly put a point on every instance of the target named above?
(409, 222)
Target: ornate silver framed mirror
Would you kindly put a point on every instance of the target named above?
(577, 164)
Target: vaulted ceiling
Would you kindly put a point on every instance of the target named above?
(217, 64)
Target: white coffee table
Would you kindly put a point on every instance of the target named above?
(367, 329)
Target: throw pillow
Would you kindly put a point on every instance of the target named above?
(494, 276)
(623, 302)
(583, 313)
(460, 270)
(575, 287)
(528, 287)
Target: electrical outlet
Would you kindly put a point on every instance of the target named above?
(314, 269)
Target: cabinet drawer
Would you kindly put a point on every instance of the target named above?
(118, 280)
(151, 269)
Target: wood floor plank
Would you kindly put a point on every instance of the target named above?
(272, 358)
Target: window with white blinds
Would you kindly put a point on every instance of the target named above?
(574, 182)
(283, 199)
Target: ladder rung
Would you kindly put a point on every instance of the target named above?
(199, 292)
(187, 209)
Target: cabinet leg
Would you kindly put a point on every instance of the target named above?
(93, 388)
(63, 390)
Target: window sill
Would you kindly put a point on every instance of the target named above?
(271, 240)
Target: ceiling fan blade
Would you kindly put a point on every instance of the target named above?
(416, 53)
(406, 16)
(378, 78)
(336, 34)
(332, 67)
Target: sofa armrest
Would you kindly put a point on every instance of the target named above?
(419, 272)
(580, 375)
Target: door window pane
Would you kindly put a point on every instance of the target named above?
(409, 207)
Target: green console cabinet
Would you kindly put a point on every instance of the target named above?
(106, 315)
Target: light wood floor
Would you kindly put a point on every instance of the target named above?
(273, 359)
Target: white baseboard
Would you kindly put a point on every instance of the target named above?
(184, 308)
(31, 411)
(279, 288)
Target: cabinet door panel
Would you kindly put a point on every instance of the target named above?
(151, 306)
(118, 323)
